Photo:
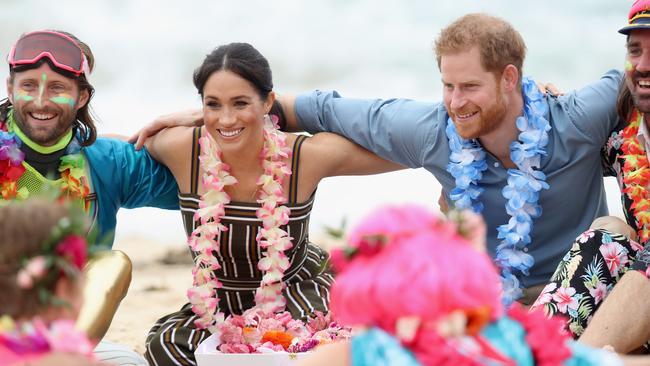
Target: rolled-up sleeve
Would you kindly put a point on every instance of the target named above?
(400, 130)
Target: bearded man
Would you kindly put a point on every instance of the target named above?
(48, 139)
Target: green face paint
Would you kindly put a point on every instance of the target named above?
(628, 66)
(64, 99)
(22, 95)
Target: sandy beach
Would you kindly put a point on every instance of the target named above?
(161, 275)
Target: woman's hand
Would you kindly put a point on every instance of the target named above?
(191, 117)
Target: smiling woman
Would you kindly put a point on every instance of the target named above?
(246, 193)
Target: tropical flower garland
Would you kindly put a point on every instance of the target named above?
(203, 294)
(467, 162)
(74, 181)
(636, 175)
(35, 337)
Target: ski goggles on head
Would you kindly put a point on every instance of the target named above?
(63, 51)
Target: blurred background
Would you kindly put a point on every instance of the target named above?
(146, 52)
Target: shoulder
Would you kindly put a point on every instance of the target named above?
(322, 143)
(173, 137)
(600, 93)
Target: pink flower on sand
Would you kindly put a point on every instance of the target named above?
(564, 299)
(74, 249)
(615, 256)
(546, 296)
(598, 293)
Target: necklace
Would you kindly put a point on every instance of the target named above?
(467, 164)
(74, 183)
(203, 240)
(636, 175)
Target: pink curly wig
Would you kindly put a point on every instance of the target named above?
(423, 268)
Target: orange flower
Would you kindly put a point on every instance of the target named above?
(636, 175)
(278, 337)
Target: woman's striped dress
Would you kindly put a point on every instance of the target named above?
(174, 338)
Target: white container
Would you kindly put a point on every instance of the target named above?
(208, 355)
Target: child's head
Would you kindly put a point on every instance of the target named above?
(42, 252)
(409, 263)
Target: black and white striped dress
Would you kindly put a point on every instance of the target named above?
(174, 338)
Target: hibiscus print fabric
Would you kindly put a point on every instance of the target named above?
(586, 275)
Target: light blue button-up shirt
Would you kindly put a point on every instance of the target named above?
(413, 134)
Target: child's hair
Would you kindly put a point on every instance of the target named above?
(403, 262)
(40, 242)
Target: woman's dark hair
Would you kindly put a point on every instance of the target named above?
(84, 122)
(241, 59)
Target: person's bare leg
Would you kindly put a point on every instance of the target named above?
(615, 225)
(623, 320)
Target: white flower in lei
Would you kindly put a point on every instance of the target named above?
(203, 241)
(467, 162)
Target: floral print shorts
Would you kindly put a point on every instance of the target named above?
(586, 275)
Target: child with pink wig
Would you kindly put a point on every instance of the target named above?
(42, 252)
(425, 293)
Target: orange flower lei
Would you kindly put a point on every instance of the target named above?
(636, 175)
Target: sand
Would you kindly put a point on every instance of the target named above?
(161, 275)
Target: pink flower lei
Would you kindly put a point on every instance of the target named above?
(37, 337)
(203, 295)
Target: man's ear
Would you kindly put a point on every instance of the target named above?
(10, 94)
(510, 78)
(84, 97)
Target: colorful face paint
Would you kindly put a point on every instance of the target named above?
(22, 95)
(64, 98)
(628, 65)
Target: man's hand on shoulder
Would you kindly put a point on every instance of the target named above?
(189, 118)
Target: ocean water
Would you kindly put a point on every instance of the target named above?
(146, 52)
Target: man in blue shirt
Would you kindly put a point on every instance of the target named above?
(537, 179)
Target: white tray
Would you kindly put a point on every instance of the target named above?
(208, 355)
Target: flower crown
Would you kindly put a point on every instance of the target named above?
(65, 252)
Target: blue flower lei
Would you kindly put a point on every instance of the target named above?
(467, 163)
